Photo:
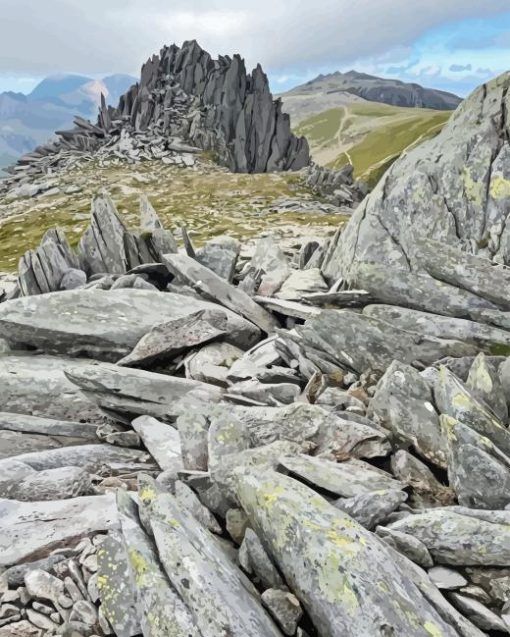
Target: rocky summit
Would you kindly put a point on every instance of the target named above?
(263, 438)
(186, 101)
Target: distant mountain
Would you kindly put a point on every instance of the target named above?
(355, 118)
(29, 120)
(337, 89)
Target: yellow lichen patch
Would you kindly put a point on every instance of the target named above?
(271, 494)
(140, 566)
(499, 187)
(147, 494)
(334, 585)
(448, 425)
(433, 630)
(474, 189)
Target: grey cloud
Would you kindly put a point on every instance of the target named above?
(96, 36)
(458, 68)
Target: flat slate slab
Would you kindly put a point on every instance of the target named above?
(104, 324)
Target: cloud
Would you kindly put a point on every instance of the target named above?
(459, 68)
(96, 36)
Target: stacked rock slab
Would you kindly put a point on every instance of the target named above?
(215, 105)
(454, 191)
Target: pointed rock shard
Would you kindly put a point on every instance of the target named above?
(102, 246)
(158, 240)
(102, 324)
(454, 399)
(127, 393)
(485, 383)
(403, 404)
(116, 589)
(200, 570)
(477, 470)
(38, 384)
(361, 342)
(372, 509)
(160, 609)
(166, 340)
(220, 255)
(161, 440)
(346, 479)
(216, 289)
(33, 525)
(461, 537)
(347, 581)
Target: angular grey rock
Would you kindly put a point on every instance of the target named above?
(84, 612)
(478, 613)
(455, 400)
(288, 308)
(211, 363)
(53, 484)
(16, 574)
(193, 427)
(80, 456)
(456, 537)
(484, 382)
(284, 607)
(485, 337)
(42, 270)
(477, 470)
(361, 342)
(167, 340)
(188, 501)
(220, 256)
(270, 264)
(446, 578)
(457, 182)
(372, 509)
(158, 240)
(72, 279)
(102, 324)
(403, 404)
(160, 439)
(253, 392)
(48, 426)
(42, 585)
(236, 523)
(426, 487)
(407, 545)
(338, 582)
(214, 288)
(128, 393)
(36, 533)
(199, 569)
(346, 479)
(161, 611)
(259, 562)
(38, 385)
(302, 282)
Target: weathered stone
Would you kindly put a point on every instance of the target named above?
(284, 607)
(16, 574)
(53, 484)
(454, 399)
(199, 569)
(212, 362)
(216, 289)
(42, 585)
(102, 324)
(161, 611)
(259, 562)
(417, 475)
(25, 423)
(456, 537)
(407, 545)
(446, 578)
(302, 282)
(21, 628)
(477, 470)
(253, 392)
(134, 392)
(167, 340)
(161, 440)
(346, 479)
(345, 571)
(403, 404)
(38, 385)
(236, 523)
(270, 264)
(115, 587)
(190, 502)
(478, 613)
(372, 509)
(220, 256)
(36, 533)
(361, 342)
(485, 384)
(84, 612)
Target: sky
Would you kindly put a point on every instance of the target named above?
(454, 45)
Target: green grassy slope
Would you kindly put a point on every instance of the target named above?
(369, 136)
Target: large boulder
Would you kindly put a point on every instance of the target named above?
(455, 191)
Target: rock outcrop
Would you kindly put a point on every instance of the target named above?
(437, 224)
(185, 102)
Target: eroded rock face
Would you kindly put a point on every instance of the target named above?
(453, 189)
